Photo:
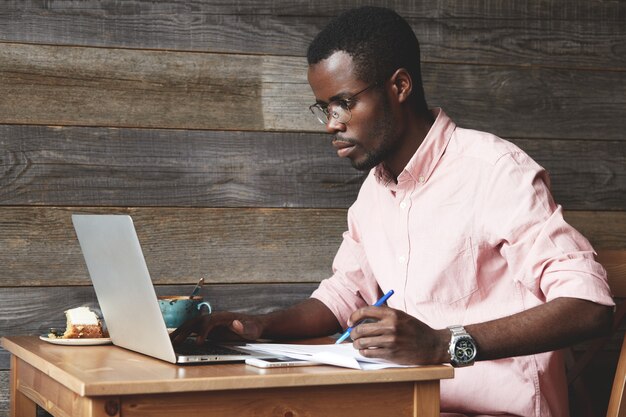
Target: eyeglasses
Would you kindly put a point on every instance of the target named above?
(338, 109)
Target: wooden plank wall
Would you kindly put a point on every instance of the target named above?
(192, 117)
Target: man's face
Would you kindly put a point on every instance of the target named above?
(368, 138)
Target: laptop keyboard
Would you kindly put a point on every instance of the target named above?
(189, 347)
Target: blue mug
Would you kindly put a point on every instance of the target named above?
(178, 309)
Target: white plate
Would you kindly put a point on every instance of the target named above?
(77, 342)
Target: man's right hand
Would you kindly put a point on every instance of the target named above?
(309, 318)
(221, 325)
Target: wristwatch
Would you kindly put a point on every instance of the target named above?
(462, 347)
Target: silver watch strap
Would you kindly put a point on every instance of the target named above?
(457, 330)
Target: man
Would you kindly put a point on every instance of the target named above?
(459, 223)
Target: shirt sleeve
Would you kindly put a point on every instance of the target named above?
(546, 255)
(352, 284)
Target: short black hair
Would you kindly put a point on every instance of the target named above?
(379, 41)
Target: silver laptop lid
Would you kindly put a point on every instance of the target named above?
(122, 283)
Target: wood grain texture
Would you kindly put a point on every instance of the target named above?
(530, 102)
(265, 403)
(4, 392)
(39, 246)
(131, 88)
(54, 394)
(146, 167)
(364, 400)
(577, 10)
(426, 407)
(583, 34)
(136, 167)
(118, 87)
(33, 310)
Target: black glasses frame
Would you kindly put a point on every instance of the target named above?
(323, 113)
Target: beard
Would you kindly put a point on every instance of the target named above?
(383, 129)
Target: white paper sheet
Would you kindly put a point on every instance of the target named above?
(339, 355)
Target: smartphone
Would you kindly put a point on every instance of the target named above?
(278, 362)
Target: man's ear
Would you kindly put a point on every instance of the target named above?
(402, 84)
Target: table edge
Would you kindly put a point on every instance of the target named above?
(299, 377)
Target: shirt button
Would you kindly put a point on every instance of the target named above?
(421, 179)
(402, 259)
(403, 204)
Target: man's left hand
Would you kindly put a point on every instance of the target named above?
(397, 336)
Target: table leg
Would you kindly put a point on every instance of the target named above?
(426, 399)
(33, 387)
(21, 405)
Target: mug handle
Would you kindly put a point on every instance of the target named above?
(204, 304)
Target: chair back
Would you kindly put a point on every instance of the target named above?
(615, 263)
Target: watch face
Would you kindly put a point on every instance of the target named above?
(464, 350)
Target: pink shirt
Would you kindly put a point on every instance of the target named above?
(469, 233)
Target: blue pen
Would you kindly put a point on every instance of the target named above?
(378, 303)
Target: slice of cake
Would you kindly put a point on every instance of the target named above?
(82, 323)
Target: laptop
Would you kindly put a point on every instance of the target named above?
(127, 297)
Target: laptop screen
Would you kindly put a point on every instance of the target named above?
(122, 284)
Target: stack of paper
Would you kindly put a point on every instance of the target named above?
(344, 355)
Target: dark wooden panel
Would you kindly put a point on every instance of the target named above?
(531, 102)
(495, 39)
(34, 310)
(132, 167)
(579, 35)
(117, 87)
(128, 167)
(38, 245)
(584, 174)
(4, 392)
(110, 9)
(129, 88)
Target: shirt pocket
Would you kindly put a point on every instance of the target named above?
(444, 270)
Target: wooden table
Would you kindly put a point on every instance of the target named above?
(109, 381)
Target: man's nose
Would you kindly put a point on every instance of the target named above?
(333, 125)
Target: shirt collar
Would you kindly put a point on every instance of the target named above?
(423, 162)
